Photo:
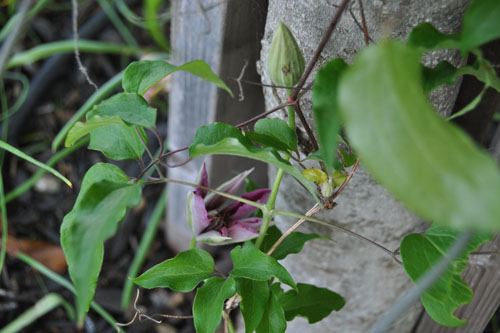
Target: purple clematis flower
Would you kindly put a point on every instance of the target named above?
(215, 221)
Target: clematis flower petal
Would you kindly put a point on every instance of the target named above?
(241, 233)
(238, 209)
(252, 222)
(197, 213)
(213, 238)
(214, 201)
(202, 180)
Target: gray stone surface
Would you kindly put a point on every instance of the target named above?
(369, 279)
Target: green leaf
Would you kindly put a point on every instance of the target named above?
(274, 133)
(13, 150)
(311, 302)
(349, 159)
(315, 175)
(130, 107)
(221, 138)
(292, 244)
(273, 320)
(272, 235)
(105, 194)
(443, 73)
(250, 185)
(469, 107)
(118, 142)
(139, 76)
(255, 296)
(484, 71)
(427, 38)
(182, 273)
(327, 117)
(420, 252)
(424, 161)
(208, 303)
(250, 263)
(81, 129)
(481, 23)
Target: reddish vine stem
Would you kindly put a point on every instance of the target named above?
(363, 21)
(319, 49)
(254, 119)
(347, 180)
(293, 98)
(310, 133)
(159, 138)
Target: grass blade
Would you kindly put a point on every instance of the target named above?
(17, 152)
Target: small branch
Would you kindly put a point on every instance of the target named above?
(319, 49)
(315, 209)
(226, 321)
(265, 114)
(262, 84)
(222, 194)
(171, 316)
(138, 313)
(340, 228)
(81, 68)
(238, 80)
(309, 132)
(159, 138)
(485, 253)
(149, 152)
(363, 21)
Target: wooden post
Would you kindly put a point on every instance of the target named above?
(483, 277)
(225, 34)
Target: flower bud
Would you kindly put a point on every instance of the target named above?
(286, 62)
(327, 189)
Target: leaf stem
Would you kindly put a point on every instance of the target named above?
(144, 246)
(267, 213)
(222, 194)
(340, 228)
(316, 208)
(153, 159)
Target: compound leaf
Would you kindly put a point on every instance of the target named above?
(420, 252)
(105, 195)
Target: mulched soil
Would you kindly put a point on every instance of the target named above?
(38, 213)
